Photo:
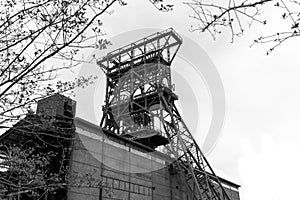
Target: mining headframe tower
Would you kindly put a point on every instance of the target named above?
(140, 105)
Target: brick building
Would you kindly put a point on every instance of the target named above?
(102, 165)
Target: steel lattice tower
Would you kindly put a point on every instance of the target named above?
(140, 105)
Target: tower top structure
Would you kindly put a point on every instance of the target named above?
(166, 43)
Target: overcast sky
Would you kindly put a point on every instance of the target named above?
(260, 143)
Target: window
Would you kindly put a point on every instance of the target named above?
(127, 186)
(131, 187)
(116, 184)
(104, 181)
(141, 189)
(136, 188)
(148, 191)
(122, 185)
(109, 182)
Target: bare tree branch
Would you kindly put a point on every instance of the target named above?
(211, 17)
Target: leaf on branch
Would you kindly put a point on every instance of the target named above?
(99, 22)
(37, 52)
(122, 3)
(102, 44)
(284, 16)
(296, 25)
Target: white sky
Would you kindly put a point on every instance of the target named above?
(260, 141)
